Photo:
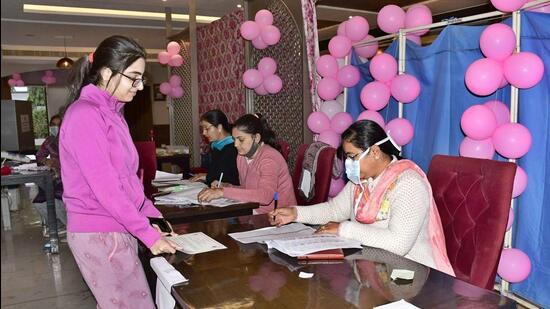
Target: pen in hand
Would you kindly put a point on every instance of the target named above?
(275, 201)
(220, 180)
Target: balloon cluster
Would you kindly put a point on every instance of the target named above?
(391, 18)
(358, 29)
(16, 80)
(171, 56)
(334, 78)
(263, 80)
(172, 87)
(49, 78)
(261, 31)
(501, 66)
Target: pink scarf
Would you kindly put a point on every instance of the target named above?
(369, 206)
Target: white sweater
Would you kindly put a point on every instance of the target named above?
(404, 232)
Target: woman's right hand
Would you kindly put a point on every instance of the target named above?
(282, 216)
(163, 245)
(198, 177)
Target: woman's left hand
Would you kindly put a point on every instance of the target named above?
(208, 194)
(329, 228)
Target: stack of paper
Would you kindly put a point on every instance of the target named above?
(271, 233)
(187, 193)
(300, 246)
(162, 178)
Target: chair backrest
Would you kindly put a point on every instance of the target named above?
(473, 200)
(323, 175)
(285, 149)
(147, 153)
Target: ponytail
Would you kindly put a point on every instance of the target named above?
(78, 78)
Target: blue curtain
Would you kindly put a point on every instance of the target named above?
(435, 115)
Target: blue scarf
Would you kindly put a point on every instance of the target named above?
(218, 145)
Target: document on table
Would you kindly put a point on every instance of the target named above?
(271, 233)
(164, 176)
(299, 246)
(401, 304)
(193, 243)
(187, 194)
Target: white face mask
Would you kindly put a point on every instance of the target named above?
(353, 167)
(54, 130)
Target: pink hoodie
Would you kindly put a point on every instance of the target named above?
(99, 162)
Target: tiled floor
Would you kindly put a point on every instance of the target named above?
(32, 278)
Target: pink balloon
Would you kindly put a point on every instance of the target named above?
(340, 122)
(51, 80)
(383, 67)
(342, 29)
(375, 96)
(478, 122)
(401, 130)
(176, 92)
(252, 78)
(523, 70)
(339, 46)
(497, 42)
(165, 88)
(16, 76)
(348, 76)
(367, 51)
(175, 61)
(510, 219)
(11, 82)
(512, 140)
(372, 116)
(249, 30)
(267, 66)
(508, 5)
(514, 265)
(330, 137)
(44, 79)
(331, 108)
(264, 18)
(418, 15)
(271, 35)
(19, 83)
(163, 57)
(482, 149)
(328, 88)
(260, 90)
(273, 84)
(501, 111)
(259, 43)
(336, 185)
(503, 82)
(391, 18)
(544, 8)
(175, 80)
(483, 76)
(49, 73)
(173, 48)
(327, 66)
(405, 88)
(415, 39)
(318, 122)
(357, 28)
(520, 182)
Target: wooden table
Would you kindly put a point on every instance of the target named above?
(184, 214)
(250, 276)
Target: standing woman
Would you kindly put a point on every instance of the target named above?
(106, 206)
(216, 128)
(262, 169)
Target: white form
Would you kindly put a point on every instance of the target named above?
(271, 233)
(400, 304)
(298, 246)
(193, 243)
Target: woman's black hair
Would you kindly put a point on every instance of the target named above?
(256, 124)
(116, 53)
(216, 117)
(56, 116)
(365, 133)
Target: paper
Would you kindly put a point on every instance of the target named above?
(305, 185)
(402, 274)
(167, 276)
(305, 275)
(186, 194)
(163, 176)
(194, 243)
(401, 304)
(298, 246)
(271, 233)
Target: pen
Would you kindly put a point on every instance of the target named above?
(220, 180)
(275, 201)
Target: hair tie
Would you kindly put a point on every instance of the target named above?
(256, 115)
(91, 57)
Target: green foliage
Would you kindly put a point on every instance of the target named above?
(37, 95)
(40, 123)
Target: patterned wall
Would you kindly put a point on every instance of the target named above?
(182, 117)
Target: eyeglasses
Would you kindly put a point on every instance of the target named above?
(205, 129)
(135, 81)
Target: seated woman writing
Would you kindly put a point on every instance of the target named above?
(217, 130)
(262, 169)
(386, 204)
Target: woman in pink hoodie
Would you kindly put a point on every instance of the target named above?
(106, 206)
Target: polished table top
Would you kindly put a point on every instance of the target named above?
(250, 276)
(183, 214)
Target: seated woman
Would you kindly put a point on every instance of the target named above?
(262, 169)
(217, 130)
(386, 204)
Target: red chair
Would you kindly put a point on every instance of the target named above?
(323, 175)
(285, 149)
(147, 153)
(473, 199)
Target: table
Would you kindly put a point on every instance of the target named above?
(184, 214)
(44, 179)
(179, 159)
(250, 276)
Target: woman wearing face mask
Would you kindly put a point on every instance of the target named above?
(262, 169)
(50, 147)
(386, 204)
(217, 130)
(106, 205)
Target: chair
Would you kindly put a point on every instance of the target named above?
(285, 149)
(473, 200)
(147, 153)
(323, 175)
